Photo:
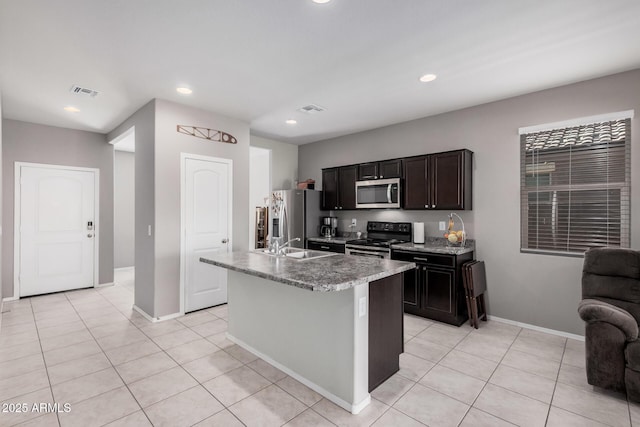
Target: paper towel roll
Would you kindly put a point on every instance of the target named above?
(418, 232)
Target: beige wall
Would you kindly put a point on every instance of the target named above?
(540, 290)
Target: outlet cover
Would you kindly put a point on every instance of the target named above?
(353, 222)
(442, 225)
(362, 308)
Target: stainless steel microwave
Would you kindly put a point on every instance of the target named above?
(379, 193)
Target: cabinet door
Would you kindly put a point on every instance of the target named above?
(367, 171)
(385, 328)
(329, 189)
(440, 292)
(415, 183)
(390, 169)
(411, 288)
(347, 187)
(449, 175)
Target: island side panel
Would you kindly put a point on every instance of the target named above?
(319, 336)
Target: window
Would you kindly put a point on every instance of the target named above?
(575, 187)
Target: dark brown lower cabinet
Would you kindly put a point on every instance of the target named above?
(386, 341)
(434, 288)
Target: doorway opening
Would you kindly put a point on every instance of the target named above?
(124, 209)
(259, 195)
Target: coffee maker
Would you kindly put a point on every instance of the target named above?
(329, 226)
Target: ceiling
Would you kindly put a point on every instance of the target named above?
(260, 61)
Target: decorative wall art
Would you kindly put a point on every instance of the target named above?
(206, 133)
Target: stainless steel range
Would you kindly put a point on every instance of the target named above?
(380, 237)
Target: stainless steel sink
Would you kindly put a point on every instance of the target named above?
(298, 253)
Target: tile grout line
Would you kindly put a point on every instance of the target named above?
(46, 368)
(489, 379)
(111, 363)
(425, 374)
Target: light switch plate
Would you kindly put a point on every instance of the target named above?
(442, 225)
(362, 308)
(353, 222)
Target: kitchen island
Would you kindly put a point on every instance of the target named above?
(334, 322)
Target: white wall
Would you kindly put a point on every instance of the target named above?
(284, 162)
(124, 209)
(259, 185)
(542, 290)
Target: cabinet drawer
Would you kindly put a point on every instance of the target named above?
(448, 261)
(328, 247)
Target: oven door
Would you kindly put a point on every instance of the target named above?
(371, 253)
(381, 193)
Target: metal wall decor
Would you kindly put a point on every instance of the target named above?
(206, 133)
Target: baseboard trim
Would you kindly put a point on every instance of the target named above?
(102, 285)
(156, 319)
(537, 328)
(8, 299)
(354, 409)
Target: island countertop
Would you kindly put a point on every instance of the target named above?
(330, 273)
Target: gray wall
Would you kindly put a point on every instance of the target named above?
(124, 209)
(157, 193)
(168, 146)
(540, 290)
(1, 293)
(144, 122)
(29, 142)
(284, 162)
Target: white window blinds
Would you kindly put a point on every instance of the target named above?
(575, 188)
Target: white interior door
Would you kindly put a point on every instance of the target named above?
(56, 233)
(206, 230)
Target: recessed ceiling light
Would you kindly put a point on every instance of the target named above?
(184, 90)
(291, 121)
(428, 78)
(321, 1)
(71, 109)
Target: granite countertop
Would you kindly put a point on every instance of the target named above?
(330, 273)
(437, 245)
(336, 240)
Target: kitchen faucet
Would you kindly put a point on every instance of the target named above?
(278, 248)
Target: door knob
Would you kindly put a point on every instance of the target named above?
(89, 235)
(225, 240)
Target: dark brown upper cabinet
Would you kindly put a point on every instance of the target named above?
(380, 170)
(339, 188)
(347, 187)
(416, 194)
(329, 189)
(438, 181)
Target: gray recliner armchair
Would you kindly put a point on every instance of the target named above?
(611, 309)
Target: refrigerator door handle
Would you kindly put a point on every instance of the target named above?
(285, 224)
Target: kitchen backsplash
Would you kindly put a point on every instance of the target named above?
(430, 219)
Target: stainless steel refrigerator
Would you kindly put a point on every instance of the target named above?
(295, 213)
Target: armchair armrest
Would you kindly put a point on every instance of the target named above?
(592, 310)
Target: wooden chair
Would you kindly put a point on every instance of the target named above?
(475, 284)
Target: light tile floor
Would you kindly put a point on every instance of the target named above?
(89, 349)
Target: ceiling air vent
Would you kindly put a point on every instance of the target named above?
(78, 90)
(312, 109)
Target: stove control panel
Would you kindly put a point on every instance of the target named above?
(389, 227)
